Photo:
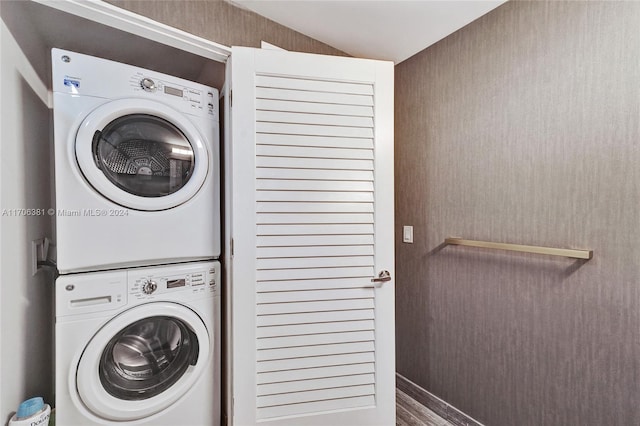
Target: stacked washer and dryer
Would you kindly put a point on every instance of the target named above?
(137, 192)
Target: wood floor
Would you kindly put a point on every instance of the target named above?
(409, 412)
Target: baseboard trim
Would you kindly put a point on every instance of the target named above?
(435, 404)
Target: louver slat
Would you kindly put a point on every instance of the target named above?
(313, 163)
(314, 152)
(314, 395)
(269, 219)
(324, 284)
(300, 329)
(328, 229)
(314, 174)
(314, 306)
(319, 97)
(316, 406)
(314, 141)
(315, 317)
(321, 251)
(313, 85)
(315, 302)
(303, 296)
(314, 262)
(313, 240)
(314, 339)
(314, 108)
(315, 373)
(318, 350)
(320, 119)
(296, 207)
(313, 273)
(324, 383)
(315, 196)
(314, 362)
(305, 129)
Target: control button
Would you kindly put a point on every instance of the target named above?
(147, 85)
(212, 282)
(149, 287)
(210, 94)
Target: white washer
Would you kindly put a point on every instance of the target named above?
(137, 167)
(139, 346)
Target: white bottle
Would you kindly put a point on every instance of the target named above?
(32, 412)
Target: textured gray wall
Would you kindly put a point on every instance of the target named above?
(523, 127)
(223, 23)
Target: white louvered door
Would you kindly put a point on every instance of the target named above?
(310, 212)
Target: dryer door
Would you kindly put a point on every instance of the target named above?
(142, 154)
(142, 361)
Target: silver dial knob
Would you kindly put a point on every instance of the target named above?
(148, 85)
(149, 287)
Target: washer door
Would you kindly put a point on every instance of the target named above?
(142, 361)
(141, 154)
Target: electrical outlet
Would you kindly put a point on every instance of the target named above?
(407, 234)
(39, 252)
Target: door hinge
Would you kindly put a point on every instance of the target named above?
(230, 98)
(232, 247)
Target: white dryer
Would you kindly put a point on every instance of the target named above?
(139, 346)
(137, 168)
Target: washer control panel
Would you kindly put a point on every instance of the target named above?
(95, 293)
(156, 284)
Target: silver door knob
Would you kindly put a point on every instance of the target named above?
(382, 277)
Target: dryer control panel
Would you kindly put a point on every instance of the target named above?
(193, 97)
(83, 75)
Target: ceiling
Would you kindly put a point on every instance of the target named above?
(392, 30)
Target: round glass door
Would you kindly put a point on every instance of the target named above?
(142, 361)
(141, 154)
(144, 155)
(147, 357)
